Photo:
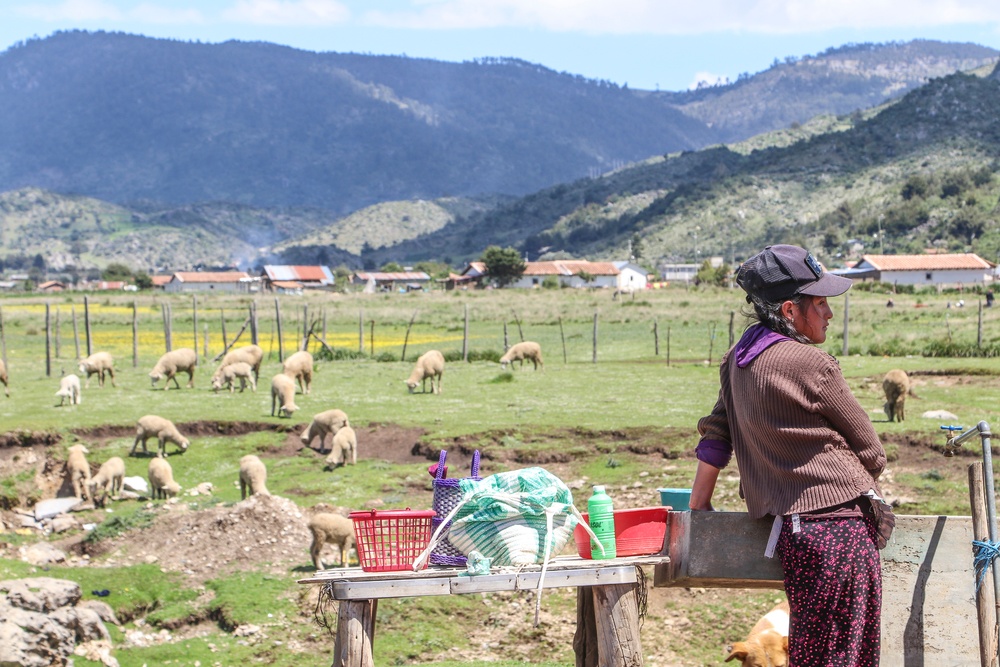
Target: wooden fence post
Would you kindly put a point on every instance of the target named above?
(305, 327)
(86, 322)
(277, 316)
(168, 337)
(48, 342)
(594, 357)
(506, 344)
(847, 310)
(985, 606)
(58, 331)
(371, 342)
(135, 336)
(656, 337)
(465, 336)
(225, 338)
(562, 335)
(361, 330)
(406, 338)
(732, 318)
(979, 327)
(254, 337)
(517, 321)
(194, 314)
(711, 341)
(668, 345)
(204, 341)
(76, 333)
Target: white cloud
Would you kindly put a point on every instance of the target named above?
(71, 10)
(707, 79)
(288, 12)
(679, 17)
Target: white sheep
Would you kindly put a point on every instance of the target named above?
(3, 378)
(181, 360)
(78, 470)
(322, 424)
(108, 480)
(98, 363)
(152, 426)
(429, 365)
(527, 350)
(344, 448)
(896, 385)
(283, 395)
(329, 528)
(300, 367)
(248, 354)
(253, 477)
(69, 389)
(161, 479)
(227, 376)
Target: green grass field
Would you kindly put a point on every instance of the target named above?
(600, 420)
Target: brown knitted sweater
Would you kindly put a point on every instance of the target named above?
(801, 439)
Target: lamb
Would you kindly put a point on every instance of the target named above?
(108, 479)
(429, 365)
(521, 351)
(345, 443)
(253, 477)
(300, 367)
(323, 424)
(150, 426)
(896, 386)
(767, 643)
(181, 360)
(161, 479)
(69, 388)
(3, 378)
(78, 469)
(249, 354)
(98, 363)
(227, 376)
(330, 528)
(283, 395)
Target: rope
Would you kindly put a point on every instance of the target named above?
(324, 603)
(984, 553)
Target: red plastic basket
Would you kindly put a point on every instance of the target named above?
(390, 540)
(638, 532)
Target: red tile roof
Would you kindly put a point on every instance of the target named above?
(210, 276)
(566, 267)
(953, 261)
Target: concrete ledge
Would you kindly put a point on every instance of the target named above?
(928, 603)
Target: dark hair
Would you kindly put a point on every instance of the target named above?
(769, 314)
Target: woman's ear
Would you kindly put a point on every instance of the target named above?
(788, 310)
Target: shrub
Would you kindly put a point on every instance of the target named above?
(338, 354)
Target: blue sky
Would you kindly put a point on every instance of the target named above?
(665, 44)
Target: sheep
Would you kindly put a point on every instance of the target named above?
(330, 528)
(150, 426)
(228, 375)
(323, 424)
(521, 351)
(253, 476)
(283, 395)
(429, 365)
(108, 479)
(98, 363)
(896, 386)
(3, 378)
(300, 367)
(79, 470)
(161, 479)
(69, 388)
(181, 360)
(345, 442)
(248, 354)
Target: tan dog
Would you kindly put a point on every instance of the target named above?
(767, 644)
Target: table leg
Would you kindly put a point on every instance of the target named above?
(585, 638)
(355, 633)
(616, 608)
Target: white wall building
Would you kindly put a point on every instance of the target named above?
(946, 269)
(630, 276)
(569, 273)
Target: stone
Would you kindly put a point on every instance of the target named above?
(42, 554)
(63, 522)
(941, 415)
(46, 509)
(137, 484)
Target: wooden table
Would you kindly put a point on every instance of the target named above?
(607, 602)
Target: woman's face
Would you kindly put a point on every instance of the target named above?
(811, 316)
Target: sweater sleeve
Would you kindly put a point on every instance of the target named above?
(845, 414)
(715, 446)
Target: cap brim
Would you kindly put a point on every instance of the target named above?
(828, 285)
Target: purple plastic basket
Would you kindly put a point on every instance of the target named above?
(447, 496)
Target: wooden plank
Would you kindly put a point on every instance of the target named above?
(617, 611)
(398, 588)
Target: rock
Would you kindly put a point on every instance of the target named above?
(42, 554)
(137, 484)
(940, 415)
(62, 523)
(45, 509)
(97, 651)
(102, 609)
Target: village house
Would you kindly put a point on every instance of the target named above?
(383, 281)
(207, 281)
(941, 270)
(293, 279)
(569, 273)
(631, 276)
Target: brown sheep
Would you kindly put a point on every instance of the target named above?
(896, 386)
(253, 477)
(344, 448)
(300, 367)
(527, 350)
(181, 360)
(152, 426)
(322, 424)
(79, 470)
(329, 528)
(161, 479)
(98, 363)
(108, 479)
(429, 365)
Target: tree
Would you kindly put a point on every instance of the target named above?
(143, 280)
(117, 271)
(391, 267)
(710, 275)
(636, 243)
(503, 265)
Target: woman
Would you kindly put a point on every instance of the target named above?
(807, 453)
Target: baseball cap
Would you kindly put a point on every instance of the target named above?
(780, 272)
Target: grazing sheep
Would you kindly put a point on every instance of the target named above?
(323, 424)
(151, 426)
(228, 375)
(98, 363)
(526, 350)
(161, 479)
(429, 365)
(3, 377)
(344, 448)
(253, 476)
(283, 395)
(248, 354)
(69, 388)
(300, 367)
(108, 480)
(181, 360)
(896, 386)
(78, 469)
(328, 528)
